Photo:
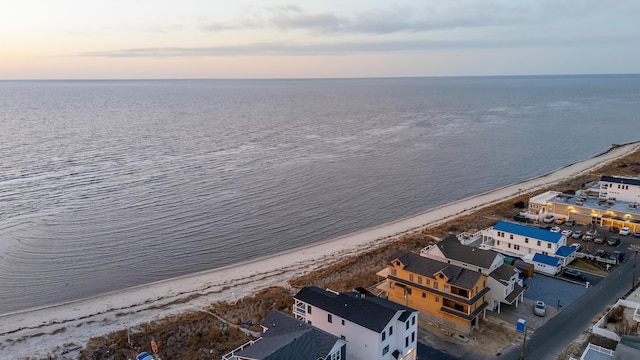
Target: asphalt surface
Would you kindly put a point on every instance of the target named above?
(552, 338)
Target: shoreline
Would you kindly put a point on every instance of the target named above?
(38, 331)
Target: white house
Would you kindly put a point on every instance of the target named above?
(620, 188)
(521, 240)
(546, 264)
(373, 327)
(504, 282)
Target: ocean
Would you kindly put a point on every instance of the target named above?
(110, 184)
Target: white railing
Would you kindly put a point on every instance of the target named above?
(231, 356)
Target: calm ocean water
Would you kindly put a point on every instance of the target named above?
(109, 184)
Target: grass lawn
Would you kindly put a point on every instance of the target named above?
(588, 266)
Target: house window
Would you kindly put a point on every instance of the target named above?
(408, 291)
(342, 321)
(538, 242)
(309, 322)
(406, 342)
(428, 281)
(526, 240)
(424, 295)
(385, 350)
(435, 285)
(411, 277)
(343, 337)
(549, 245)
(330, 318)
(420, 280)
(384, 335)
(390, 330)
(309, 309)
(511, 236)
(406, 325)
(393, 272)
(336, 355)
(437, 299)
(497, 242)
(509, 245)
(413, 320)
(392, 285)
(446, 288)
(413, 336)
(516, 247)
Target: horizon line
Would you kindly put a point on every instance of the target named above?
(321, 78)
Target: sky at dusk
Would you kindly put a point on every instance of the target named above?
(140, 39)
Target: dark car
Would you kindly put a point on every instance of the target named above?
(614, 229)
(601, 253)
(570, 223)
(574, 274)
(637, 233)
(613, 241)
(617, 255)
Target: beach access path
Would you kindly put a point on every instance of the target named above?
(37, 332)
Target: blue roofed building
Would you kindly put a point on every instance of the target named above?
(566, 254)
(521, 241)
(546, 264)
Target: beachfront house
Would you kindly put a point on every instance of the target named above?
(521, 240)
(504, 281)
(545, 264)
(287, 338)
(444, 293)
(373, 327)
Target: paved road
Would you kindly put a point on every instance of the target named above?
(561, 330)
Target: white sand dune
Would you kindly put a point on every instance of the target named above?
(38, 332)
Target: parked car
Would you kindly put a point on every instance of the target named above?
(555, 229)
(600, 239)
(577, 246)
(574, 274)
(587, 237)
(637, 233)
(592, 232)
(539, 308)
(617, 255)
(601, 253)
(570, 223)
(624, 231)
(613, 241)
(561, 220)
(567, 232)
(614, 229)
(576, 234)
(549, 219)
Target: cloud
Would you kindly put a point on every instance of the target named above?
(453, 15)
(347, 48)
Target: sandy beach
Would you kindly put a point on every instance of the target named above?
(36, 332)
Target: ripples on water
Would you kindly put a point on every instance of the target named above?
(110, 184)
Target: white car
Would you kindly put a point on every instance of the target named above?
(625, 231)
(577, 246)
(567, 232)
(555, 229)
(539, 308)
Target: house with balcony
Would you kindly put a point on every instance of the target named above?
(373, 327)
(503, 280)
(444, 293)
(287, 338)
(521, 240)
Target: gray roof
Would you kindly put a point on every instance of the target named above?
(373, 313)
(289, 339)
(504, 272)
(454, 250)
(458, 276)
(620, 180)
(628, 347)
